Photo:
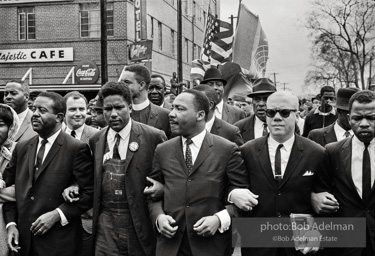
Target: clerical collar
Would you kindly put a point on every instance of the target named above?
(141, 106)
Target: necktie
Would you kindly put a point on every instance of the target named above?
(188, 157)
(73, 133)
(265, 131)
(39, 157)
(278, 175)
(366, 174)
(347, 134)
(116, 154)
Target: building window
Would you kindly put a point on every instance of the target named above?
(90, 20)
(26, 23)
(152, 27)
(160, 36)
(187, 49)
(173, 43)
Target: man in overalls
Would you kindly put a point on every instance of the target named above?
(123, 157)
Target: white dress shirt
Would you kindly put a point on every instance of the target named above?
(141, 106)
(284, 152)
(357, 157)
(340, 132)
(210, 123)
(258, 128)
(219, 110)
(197, 140)
(79, 131)
(124, 141)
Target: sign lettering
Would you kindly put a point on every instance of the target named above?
(36, 55)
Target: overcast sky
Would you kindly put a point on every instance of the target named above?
(289, 46)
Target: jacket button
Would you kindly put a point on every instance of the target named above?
(189, 180)
(187, 206)
(32, 198)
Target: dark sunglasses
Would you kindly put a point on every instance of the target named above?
(283, 112)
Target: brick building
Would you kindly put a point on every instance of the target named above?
(43, 40)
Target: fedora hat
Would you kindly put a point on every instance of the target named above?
(262, 86)
(213, 74)
(343, 97)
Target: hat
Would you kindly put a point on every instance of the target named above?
(343, 97)
(98, 104)
(262, 86)
(238, 97)
(35, 93)
(213, 74)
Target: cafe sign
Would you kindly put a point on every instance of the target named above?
(86, 72)
(140, 51)
(36, 55)
(30, 1)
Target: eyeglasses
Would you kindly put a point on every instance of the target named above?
(283, 112)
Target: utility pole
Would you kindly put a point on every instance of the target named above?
(231, 20)
(284, 85)
(179, 41)
(274, 78)
(103, 41)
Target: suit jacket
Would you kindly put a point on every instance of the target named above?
(159, 119)
(26, 130)
(139, 165)
(232, 114)
(227, 131)
(188, 197)
(337, 179)
(292, 195)
(323, 136)
(246, 127)
(69, 160)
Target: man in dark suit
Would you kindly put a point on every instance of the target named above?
(76, 114)
(16, 95)
(255, 126)
(282, 167)
(197, 178)
(323, 115)
(340, 129)
(41, 168)
(215, 125)
(138, 78)
(123, 158)
(223, 111)
(156, 91)
(350, 171)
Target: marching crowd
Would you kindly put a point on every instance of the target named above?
(131, 173)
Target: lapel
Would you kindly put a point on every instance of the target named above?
(99, 154)
(52, 152)
(134, 136)
(32, 148)
(180, 154)
(264, 160)
(153, 117)
(204, 152)
(84, 137)
(346, 161)
(25, 124)
(294, 158)
(249, 128)
(329, 134)
(216, 126)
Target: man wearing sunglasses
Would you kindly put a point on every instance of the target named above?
(281, 167)
(325, 114)
(255, 126)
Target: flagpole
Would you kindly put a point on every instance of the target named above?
(179, 44)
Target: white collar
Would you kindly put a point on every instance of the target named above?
(287, 144)
(51, 139)
(359, 144)
(141, 106)
(332, 112)
(210, 123)
(219, 106)
(78, 131)
(123, 133)
(340, 131)
(197, 139)
(22, 115)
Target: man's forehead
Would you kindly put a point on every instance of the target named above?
(13, 86)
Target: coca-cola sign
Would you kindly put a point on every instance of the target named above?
(86, 72)
(140, 51)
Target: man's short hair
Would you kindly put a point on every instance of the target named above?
(75, 95)
(116, 88)
(364, 96)
(141, 73)
(201, 102)
(59, 105)
(208, 91)
(24, 85)
(6, 115)
(161, 77)
(327, 89)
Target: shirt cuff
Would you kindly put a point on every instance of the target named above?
(230, 194)
(10, 224)
(156, 224)
(63, 220)
(225, 220)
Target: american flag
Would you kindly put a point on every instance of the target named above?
(218, 41)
